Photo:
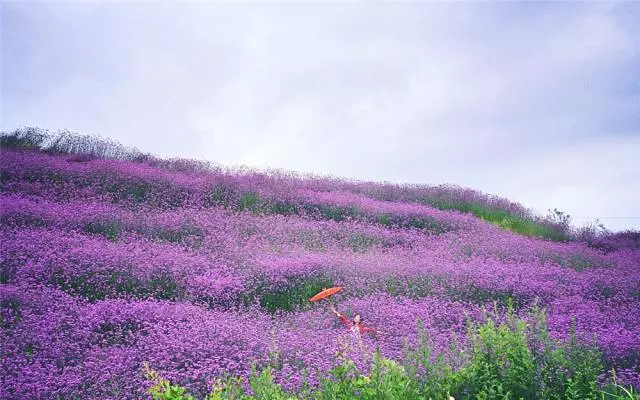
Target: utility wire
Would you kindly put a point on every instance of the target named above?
(605, 217)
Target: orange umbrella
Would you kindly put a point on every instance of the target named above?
(326, 293)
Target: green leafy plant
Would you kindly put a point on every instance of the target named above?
(162, 389)
(507, 358)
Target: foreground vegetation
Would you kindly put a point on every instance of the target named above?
(509, 358)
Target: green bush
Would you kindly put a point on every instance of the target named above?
(387, 380)
(162, 389)
(517, 359)
(501, 363)
(433, 376)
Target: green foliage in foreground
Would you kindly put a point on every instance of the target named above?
(509, 360)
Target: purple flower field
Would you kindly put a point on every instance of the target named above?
(106, 264)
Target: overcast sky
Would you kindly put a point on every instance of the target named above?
(539, 103)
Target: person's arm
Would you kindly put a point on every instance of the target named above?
(334, 310)
(342, 317)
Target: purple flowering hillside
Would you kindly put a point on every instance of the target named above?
(109, 262)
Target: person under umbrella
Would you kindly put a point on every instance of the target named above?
(354, 326)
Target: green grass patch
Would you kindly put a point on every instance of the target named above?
(8, 268)
(414, 287)
(384, 219)
(282, 208)
(601, 291)
(249, 202)
(417, 287)
(423, 223)
(223, 196)
(188, 233)
(290, 296)
(10, 313)
(577, 262)
(336, 213)
(310, 240)
(360, 243)
(23, 220)
(110, 229)
(96, 286)
(481, 296)
(426, 224)
(500, 218)
(227, 197)
(123, 333)
(330, 212)
(136, 192)
(219, 196)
